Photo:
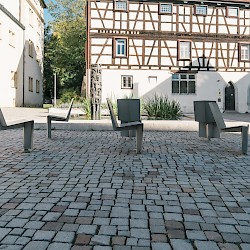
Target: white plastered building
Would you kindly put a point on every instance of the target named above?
(21, 52)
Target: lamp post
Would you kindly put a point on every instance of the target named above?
(54, 89)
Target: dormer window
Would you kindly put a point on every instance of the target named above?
(120, 5)
(200, 10)
(165, 8)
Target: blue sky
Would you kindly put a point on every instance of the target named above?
(47, 16)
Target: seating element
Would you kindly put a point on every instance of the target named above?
(222, 126)
(211, 122)
(137, 126)
(28, 127)
(65, 118)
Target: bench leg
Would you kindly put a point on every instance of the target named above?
(212, 131)
(202, 129)
(28, 135)
(49, 126)
(139, 134)
(244, 137)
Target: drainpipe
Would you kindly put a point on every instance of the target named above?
(20, 19)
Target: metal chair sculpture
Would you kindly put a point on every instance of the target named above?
(137, 126)
(65, 118)
(28, 128)
(221, 127)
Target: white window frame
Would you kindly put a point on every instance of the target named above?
(37, 86)
(232, 11)
(165, 8)
(152, 80)
(30, 84)
(120, 47)
(12, 39)
(127, 82)
(184, 50)
(184, 78)
(120, 5)
(14, 79)
(200, 10)
(31, 49)
(244, 52)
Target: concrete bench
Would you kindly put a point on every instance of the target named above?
(65, 118)
(220, 126)
(137, 126)
(28, 127)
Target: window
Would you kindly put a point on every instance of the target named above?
(31, 46)
(37, 54)
(0, 31)
(200, 10)
(127, 82)
(183, 83)
(232, 11)
(120, 47)
(121, 5)
(184, 50)
(31, 17)
(30, 84)
(152, 80)
(37, 86)
(14, 79)
(12, 38)
(165, 8)
(244, 52)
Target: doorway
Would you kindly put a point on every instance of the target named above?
(230, 97)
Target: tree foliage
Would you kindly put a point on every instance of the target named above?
(64, 45)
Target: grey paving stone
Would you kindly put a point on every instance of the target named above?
(59, 246)
(44, 235)
(103, 240)
(140, 233)
(179, 244)
(108, 230)
(87, 229)
(120, 212)
(17, 223)
(245, 246)
(41, 245)
(4, 232)
(23, 241)
(196, 235)
(206, 245)
(161, 246)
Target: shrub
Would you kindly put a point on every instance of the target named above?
(159, 107)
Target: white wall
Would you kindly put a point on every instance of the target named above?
(15, 56)
(11, 60)
(209, 86)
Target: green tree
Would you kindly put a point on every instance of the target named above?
(64, 48)
(49, 42)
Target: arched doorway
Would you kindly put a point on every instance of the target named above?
(230, 96)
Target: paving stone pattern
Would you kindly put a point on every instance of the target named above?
(89, 190)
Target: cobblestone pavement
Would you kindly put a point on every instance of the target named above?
(89, 190)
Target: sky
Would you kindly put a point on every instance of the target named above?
(47, 16)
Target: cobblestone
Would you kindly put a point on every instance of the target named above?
(88, 190)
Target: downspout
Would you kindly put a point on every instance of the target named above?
(23, 67)
(20, 20)
(87, 53)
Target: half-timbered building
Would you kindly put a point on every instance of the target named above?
(187, 50)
